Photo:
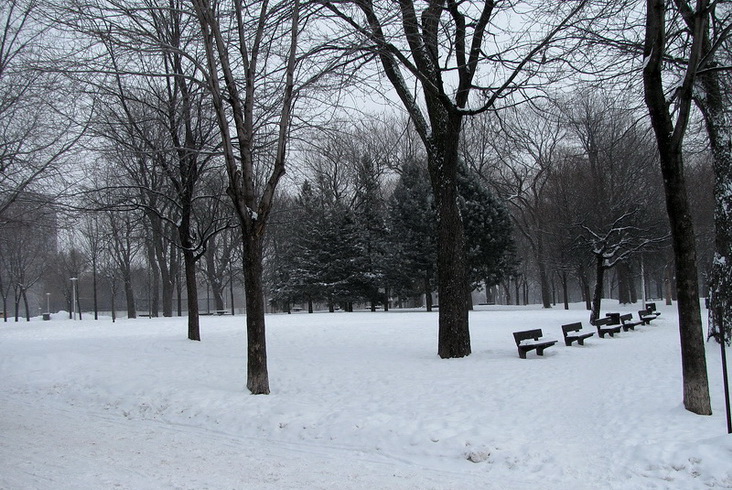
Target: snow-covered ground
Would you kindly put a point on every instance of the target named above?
(359, 401)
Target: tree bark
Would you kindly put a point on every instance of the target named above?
(189, 265)
(427, 293)
(154, 286)
(599, 287)
(452, 279)
(129, 296)
(94, 288)
(257, 376)
(546, 299)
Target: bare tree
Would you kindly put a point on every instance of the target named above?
(24, 253)
(124, 246)
(441, 46)
(37, 110)
(617, 182)
(264, 92)
(160, 124)
(527, 147)
(670, 128)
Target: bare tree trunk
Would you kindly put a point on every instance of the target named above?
(113, 288)
(585, 287)
(599, 287)
(154, 293)
(17, 305)
(452, 278)
(168, 270)
(667, 284)
(427, 293)
(189, 265)
(546, 299)
(130, 296)
(94, 288)
(257, 376)
(25, 304)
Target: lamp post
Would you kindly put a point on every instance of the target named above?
(73, 297)
(48, 302)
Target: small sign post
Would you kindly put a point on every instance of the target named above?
(723, 345)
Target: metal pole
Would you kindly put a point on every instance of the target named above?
(643, 281)
(723, 346)
(48, 302)
(725, 378)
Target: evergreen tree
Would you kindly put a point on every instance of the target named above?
(489, 248)
(307, 231)
(412, 264)
(490, 251)
(369, 212)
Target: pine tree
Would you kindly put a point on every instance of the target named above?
(490, 249)
(369, 213)
(412, 219)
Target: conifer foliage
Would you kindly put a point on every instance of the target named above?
(368, 249)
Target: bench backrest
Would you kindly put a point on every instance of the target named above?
(626, 318)
(603, 321)
(651, 306)
(571, 327)
(527, 334)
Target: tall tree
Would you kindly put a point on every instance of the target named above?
(526, 164)
(370, 216)
(265, 92)
(490, 250)
(39, 122)
(670, 128)
(412, 235)
(438, 43)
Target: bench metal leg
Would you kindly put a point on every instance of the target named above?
(522, 353)
(540, 351)
(581, 341)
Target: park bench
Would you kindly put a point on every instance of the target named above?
(646, 316)
(573, 331)
(627, 322)
(607, 326)
(651, 309)
(531, 340)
